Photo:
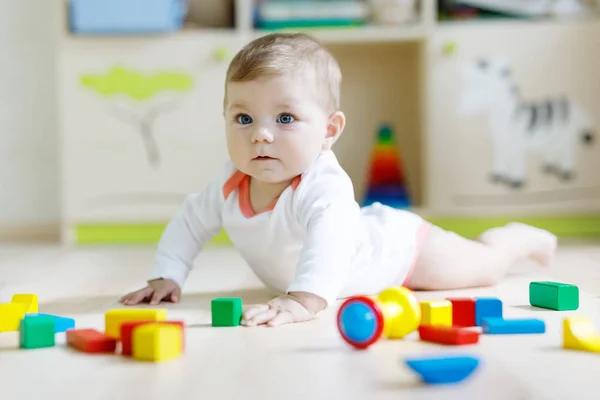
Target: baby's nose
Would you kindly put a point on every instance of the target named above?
(262, 135)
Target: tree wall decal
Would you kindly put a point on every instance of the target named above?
(138, 99)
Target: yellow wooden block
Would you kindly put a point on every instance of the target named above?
(436, 312)
(11, 316)
(579, 333)
(157, 342)
(113, 319)
(29, 300)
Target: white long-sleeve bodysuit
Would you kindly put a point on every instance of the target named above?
(314, 238)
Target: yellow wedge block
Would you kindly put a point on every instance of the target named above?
(30, 301)
(11, 315)
(579, 333)
(157, 342)
(113, 319)
(436, 312)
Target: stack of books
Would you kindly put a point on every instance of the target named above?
(282, 14)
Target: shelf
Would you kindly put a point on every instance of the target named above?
(364, 34)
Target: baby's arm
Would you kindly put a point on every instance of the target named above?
(323, 267)
(197, 222)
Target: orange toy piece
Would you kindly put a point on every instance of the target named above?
(448, 335)
(90, 341)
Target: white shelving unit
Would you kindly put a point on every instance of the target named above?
(243, 27)
(409, 76)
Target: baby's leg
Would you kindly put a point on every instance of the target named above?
(450, 261)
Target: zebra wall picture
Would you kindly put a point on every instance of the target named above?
(555, 127)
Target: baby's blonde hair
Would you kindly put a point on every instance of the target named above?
(288, 53)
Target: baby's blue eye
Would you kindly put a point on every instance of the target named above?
(244, 119)
(285, 119)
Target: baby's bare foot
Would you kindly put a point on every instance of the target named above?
(527, 241)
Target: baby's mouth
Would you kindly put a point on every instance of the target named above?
(263, 158)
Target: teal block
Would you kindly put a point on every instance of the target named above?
(36, 332)
(61, 324)
(226, 311)
(554, 296)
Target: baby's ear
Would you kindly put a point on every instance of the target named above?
(335, 127)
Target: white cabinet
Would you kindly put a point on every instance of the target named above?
(141, 123)
(513, 119)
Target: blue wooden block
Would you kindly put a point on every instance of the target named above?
(126, 16)
(500, 326)
(487, 307)
(61, 324)
(444, 369)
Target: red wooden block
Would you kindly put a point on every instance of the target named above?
(90, 341)
(127, 333)
(448, 334)
(463, 311)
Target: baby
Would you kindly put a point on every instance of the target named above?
(289, 208)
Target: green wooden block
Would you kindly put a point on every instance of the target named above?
(226, 311)
(554, 295)
(36, 332)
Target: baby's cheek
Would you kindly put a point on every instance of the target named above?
(237, 149)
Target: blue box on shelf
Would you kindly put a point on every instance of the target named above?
(126, 16)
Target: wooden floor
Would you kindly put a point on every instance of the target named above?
(301, 361)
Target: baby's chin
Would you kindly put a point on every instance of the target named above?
(272, 177)
(275, 175)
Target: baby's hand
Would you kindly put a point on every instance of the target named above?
(279, 311)
(155, 292)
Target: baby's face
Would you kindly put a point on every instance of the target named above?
(276, 126)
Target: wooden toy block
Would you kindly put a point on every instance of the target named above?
(114, 318)
(61, 324)
(90, 341)
(443, 369)
(10, 316)
(30, 301)
(554, 296)
(579, 333)
(436, 312)
(487, 307)
(128, 328)
(157, 342)
(463, 311)
(36, 332)
(450, 335)
(499, 326)
(226, 311)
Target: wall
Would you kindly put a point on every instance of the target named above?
(29, 202)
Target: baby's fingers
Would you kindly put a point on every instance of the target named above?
(252, 311)
(176, 295)
(137, 297)
(263, 317)
(159, 294)
(284, 317)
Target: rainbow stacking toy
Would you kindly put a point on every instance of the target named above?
(386, 184)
